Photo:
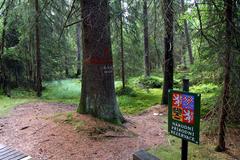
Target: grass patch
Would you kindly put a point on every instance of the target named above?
(18, 96)
(131, 101)
(134, 99)
(66, 91)
(171, 150)
(143, 100)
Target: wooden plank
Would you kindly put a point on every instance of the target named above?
(3, 150)
(7, 153)
(2, 146)
(11, 153)
(18, 157)
(27, 158)
(143, 155)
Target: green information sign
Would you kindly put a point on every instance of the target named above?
(184, 115)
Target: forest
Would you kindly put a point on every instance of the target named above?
(91, 79)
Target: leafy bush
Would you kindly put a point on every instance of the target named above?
(125, 91)
(210, 93)
(205, 88)
(150, 82)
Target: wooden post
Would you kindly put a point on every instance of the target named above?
(185, 142)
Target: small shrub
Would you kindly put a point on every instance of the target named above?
(125, 91)
(205, 88)
(149, 82)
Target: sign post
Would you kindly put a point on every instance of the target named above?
(184, 154)
(184, 116)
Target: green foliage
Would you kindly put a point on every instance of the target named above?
(67, 91)
(150, 82)
(210, 93)
(128, 91)
(139, 103)
(12, 63)
(202, 73)
(205, 88)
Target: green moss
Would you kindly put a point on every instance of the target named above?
(70, 118)
(150, 82)
(143, 100)
(128, 91)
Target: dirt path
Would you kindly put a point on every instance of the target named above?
(33, 129)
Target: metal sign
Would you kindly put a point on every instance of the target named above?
(184, 115)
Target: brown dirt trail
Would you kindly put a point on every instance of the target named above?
(37, 130)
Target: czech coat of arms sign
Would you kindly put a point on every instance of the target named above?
(184, 115)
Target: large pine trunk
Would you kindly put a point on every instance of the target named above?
(168, 49)
(98, 96)
(38, 54)
(146, 46)
(227, 64)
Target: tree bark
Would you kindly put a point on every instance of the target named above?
(188, 39)
(168, 49)
(78, 30)
(226, 90)
(146, 45)
(122, 47)
(3, 76)
(66, 61)
(98, 96)
(158, 53)
(2, 45)
(38, 53)
(183, 60)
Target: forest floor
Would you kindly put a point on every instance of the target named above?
(54, 131)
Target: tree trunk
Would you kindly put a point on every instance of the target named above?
(2, 72)
(78, 30)
(98, 96)
(183, 60)
(168, 49)
(146, 46)
(66, 61)
(226, 90)
(3, 76)
(159, 61)
(122, 47)
(38, 54)
(188, 39)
